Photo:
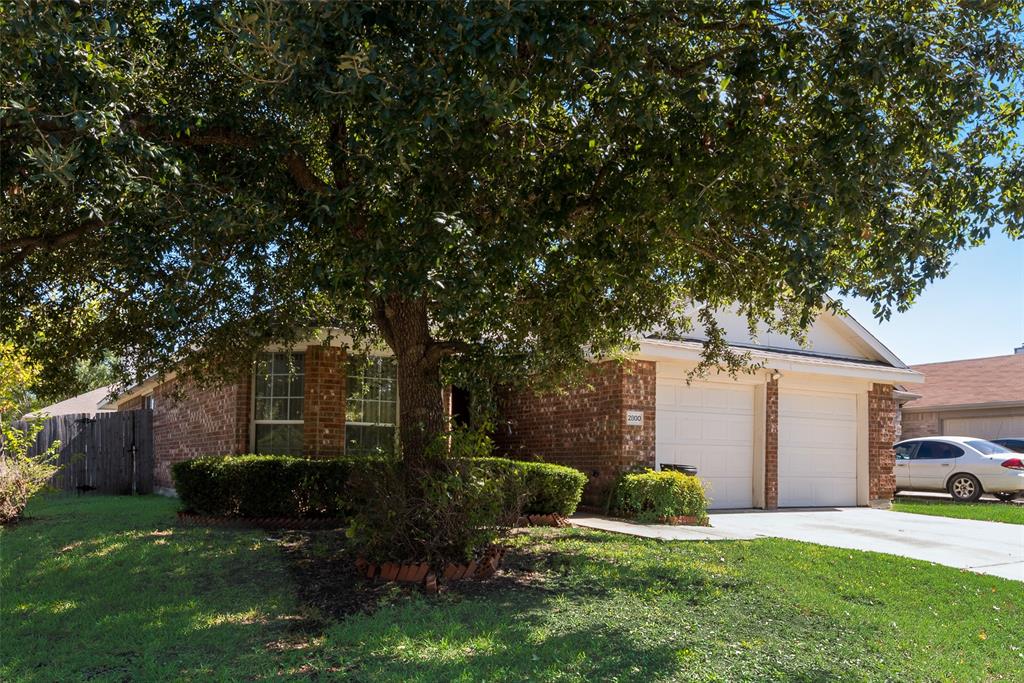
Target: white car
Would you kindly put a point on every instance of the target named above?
(964, 466)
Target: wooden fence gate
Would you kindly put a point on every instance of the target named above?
(112, 452)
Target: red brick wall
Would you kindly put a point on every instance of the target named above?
(881, 437)
(194, 422)
(585, 427)
(324, 402)
(136, 403)
(771, 445)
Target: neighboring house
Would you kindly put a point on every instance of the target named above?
(88, 403)
(815, 427)
(981, 397)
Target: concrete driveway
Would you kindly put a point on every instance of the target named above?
(985, 547)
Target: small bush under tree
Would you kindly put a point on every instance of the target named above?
(651, 496)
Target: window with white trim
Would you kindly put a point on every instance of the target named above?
(371, 408)
(277, 403)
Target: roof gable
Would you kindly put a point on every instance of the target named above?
(830, 335)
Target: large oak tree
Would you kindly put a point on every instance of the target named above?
(514, 184)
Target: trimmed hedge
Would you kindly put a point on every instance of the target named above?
(287, 486)
(267, 485)
(652, 496)
(542, 488)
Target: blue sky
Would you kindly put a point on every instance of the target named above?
(977, 311)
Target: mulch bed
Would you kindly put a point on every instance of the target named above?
(331, 586)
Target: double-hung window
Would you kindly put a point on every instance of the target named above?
(371, 409)
(277, 403)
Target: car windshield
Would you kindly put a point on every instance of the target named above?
(987, 447)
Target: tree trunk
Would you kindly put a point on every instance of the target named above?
(421, 419)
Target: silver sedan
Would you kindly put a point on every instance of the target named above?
(964, 466)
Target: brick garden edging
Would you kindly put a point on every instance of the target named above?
(684, 520)
(420, 572)
(543, 520)
(297, 523)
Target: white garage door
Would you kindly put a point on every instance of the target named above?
(817, 449)
(710, 426)
(985, 427)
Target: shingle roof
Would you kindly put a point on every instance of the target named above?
(999, 379)
(83, 403)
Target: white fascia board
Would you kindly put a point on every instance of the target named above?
(990, 405)
(871, 340)
(687, 351)
(140, 389)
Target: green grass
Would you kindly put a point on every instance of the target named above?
(989, 512)
(111, 589)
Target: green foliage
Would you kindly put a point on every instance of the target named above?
(539, 180)
(22, 473)
(537, 488)
(450, 512)
(268, 485)
(652, 496)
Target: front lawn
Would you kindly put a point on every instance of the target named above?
(990, 512)
(111, 589)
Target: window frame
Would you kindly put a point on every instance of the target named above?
(253, 421)
(394, 426)
(947, 444)
(911, 455)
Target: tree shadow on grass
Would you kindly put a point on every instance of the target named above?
(96, 592)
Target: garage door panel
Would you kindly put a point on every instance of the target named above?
(995, 427)
(711, 427)
(817, 405)
(817, 449)
(806, 432)
(817, 462)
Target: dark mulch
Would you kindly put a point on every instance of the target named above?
(324, 569)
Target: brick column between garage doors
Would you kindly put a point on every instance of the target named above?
(771, 445)
(323, 428)
(881, 437)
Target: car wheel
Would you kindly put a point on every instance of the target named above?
(1005, 497)
(964, 488)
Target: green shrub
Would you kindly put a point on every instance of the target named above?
(446, 509)
(202, 486)
(268, 485)
(537, 488)
(651, 496)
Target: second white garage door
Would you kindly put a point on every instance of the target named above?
(710, 426)
(817, 449)
(998, 427)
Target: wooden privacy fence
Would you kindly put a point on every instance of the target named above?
(112, 452)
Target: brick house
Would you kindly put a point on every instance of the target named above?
(980, 397)
(813, 427)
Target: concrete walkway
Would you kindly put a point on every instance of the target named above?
(665, 532)
(985, 547)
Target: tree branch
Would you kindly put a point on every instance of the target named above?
(293, 161)
(23, 246)
(380, 316)
(337, 147)
(303, 175)
(440, 349)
